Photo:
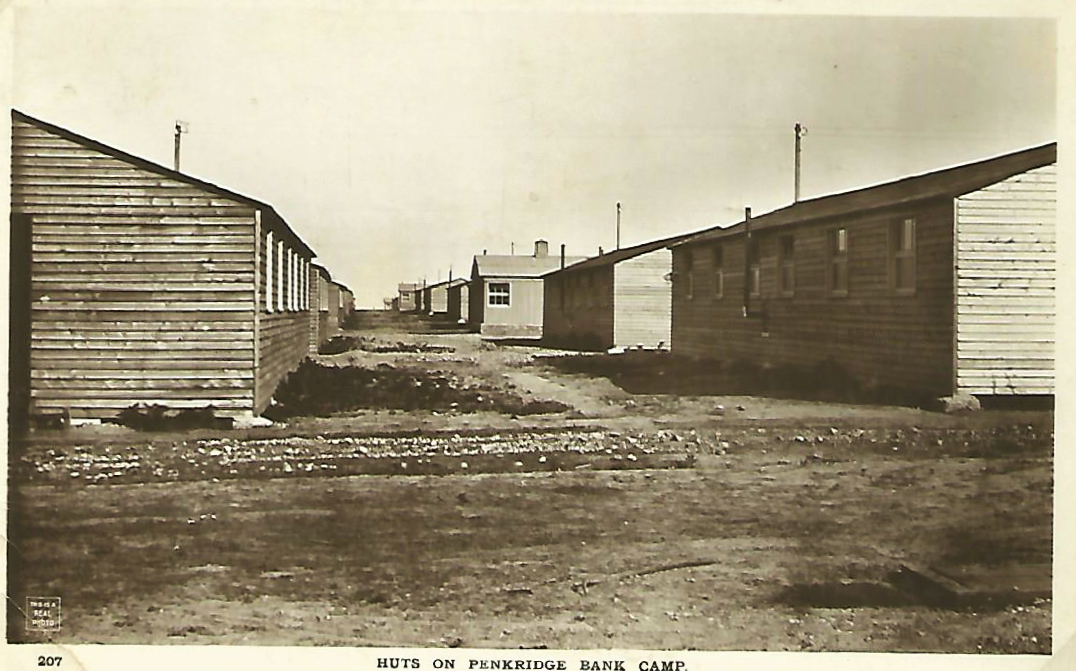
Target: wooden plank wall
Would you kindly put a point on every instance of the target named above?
(314, 328)
(334, 308)
(458, 304)
(643, 300)
(522, 318)
(584, 318)
(141, 284)
(1006, 277)
(903, 341)
(475, 301)
(439, 300)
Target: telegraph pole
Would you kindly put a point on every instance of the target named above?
(618, 225)
(800, 132)
(181, 127)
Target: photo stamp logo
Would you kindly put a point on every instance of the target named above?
(43, 613)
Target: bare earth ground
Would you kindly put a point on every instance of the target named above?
(625, 521)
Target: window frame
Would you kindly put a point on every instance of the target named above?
(717, 257)
(507, 295)
(270, 296)
(689, 276)
(836, 256)
(786, 261)
(754, 266)
(897, 255)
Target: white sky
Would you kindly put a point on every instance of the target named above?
(398, 143)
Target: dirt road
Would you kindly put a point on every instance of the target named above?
(626, 520)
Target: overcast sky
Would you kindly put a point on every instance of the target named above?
(400, 143)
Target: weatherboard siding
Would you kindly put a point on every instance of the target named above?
(140, 284)
(642, 300)
(883, 338)
(458, 303)
(1006, 277)
(522, 318)
(583, 317)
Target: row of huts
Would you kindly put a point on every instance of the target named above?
(940, 283)
(132, 283)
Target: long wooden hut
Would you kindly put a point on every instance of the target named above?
(319, 280)
(619, 299)
(138, 284)
(939, 283)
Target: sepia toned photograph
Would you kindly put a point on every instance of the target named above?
(530, 328)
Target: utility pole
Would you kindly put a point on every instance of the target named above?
(181, 127)
(800, 132)
(618, 225)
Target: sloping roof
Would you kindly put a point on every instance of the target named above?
(447, 284)
(408, 286)
(145, 164)
(505, 265)
(623, 254)
(945, 183)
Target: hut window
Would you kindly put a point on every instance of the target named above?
(280, 275)
(902, 256)
(269, 304)
(754, 267)
(837, 261)
(304, 274)
(500, 293)
(295, 280)
(289, 295)
(786, 264)
(719, 272)
(689, 276)
(294, 284)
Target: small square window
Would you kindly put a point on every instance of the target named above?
(500, 293)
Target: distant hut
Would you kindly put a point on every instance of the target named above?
(506, 294)
(407, 301)
(138, 284)
(319, 282)
(435, 297)
(939, 283)
(345, 304)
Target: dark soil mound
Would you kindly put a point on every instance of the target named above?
(317, 390)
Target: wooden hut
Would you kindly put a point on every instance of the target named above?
(506, 292)
(937, 284)
(345, 304)
(319, 306)
(139, 284)
(435, 297)
(619, 299)
(407, 301)
(459, 302)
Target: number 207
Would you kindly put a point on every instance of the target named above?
(42, 660)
